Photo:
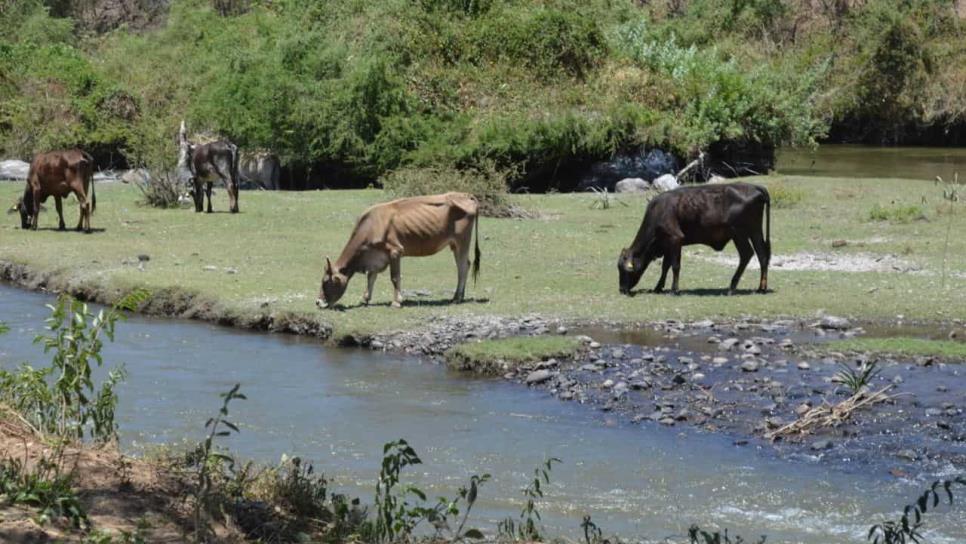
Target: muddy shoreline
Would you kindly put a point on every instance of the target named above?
(739, 378)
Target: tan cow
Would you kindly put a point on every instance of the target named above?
(58, 174)
(408, 227)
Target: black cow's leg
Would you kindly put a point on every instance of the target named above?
(34, 221)
(744, 255)
(675, 255)
(208, 194)
(763, 251)
(665, 265)
(58, 203)
(199, 197)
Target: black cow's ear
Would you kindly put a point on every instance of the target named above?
(328, 267)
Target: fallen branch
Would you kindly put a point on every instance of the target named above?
(828, 415)
(690, 165)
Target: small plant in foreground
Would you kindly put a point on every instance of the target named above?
(896, 214)
(906, 529)
(44, 487)
(696, 535)
(602, 199)
(526, 528)
(208, 460)
(855, 380)
(394, 515)
(61, 399)
(785, 196)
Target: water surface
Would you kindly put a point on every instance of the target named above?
(337, 407)
(861, 161)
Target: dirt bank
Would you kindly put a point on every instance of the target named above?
(167, 302)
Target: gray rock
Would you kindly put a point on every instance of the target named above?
(803, 366)
(719, 360)
(561, 330)
(607, 384)
(667, 182)
(538, 376)
(726, 345)
(908, 455)
(821, 445)
(749, 366)
(617, 354)
(14, 169)
(632, 185)
(833, 322)
(669, 421)
(803, 409)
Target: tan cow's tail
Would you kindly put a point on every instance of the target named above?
(476, 253)
(88, 170)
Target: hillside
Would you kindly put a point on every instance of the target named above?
(346, 91)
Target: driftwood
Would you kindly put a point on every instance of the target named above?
(690, 165)
(830, 415)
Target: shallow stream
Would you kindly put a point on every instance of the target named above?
(337, 407)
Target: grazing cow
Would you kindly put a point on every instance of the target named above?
(408, 227)
(58, 174)
(206, 163)
(712, 215)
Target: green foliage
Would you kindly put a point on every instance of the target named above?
(487, 183)
(696, 535)
(785, 195)
(208, 463)
(907, 528)
(856, 380)
(896, 213)
(526, 527)
(62, 399)
(900, 345)
(44, 487)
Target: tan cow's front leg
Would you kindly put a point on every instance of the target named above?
(397, 298)
(370, 283)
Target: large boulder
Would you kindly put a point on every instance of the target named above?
(259, 169)
(14, 169)
(631, 185)
(644, 165)
(137, 176)
(667, 182)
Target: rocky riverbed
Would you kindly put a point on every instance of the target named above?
(745, 379)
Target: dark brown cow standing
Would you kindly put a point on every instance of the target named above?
(58, 174)
(207, 163)
(712, 215)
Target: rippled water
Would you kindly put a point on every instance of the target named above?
(873, 162)
(337, 407)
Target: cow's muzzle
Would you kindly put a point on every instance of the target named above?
(321, 303)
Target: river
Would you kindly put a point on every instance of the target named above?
(337, 407)
(862, 161)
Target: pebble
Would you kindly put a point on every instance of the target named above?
(667, 421)
(561, 330)
(803, 409)
(804, 366)
(538, 376)
(908, 455)
(719, 360)
(607, 384)
(589, 367)
(617, 354)
(697, 376)
(594, 345)
(833, 322)
(728, 344)
(209, 268)
(821, 445)
(749, 366)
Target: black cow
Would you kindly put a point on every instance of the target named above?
(712, 215)
(206, 163)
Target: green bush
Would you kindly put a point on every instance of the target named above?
(488, 184)
(896, 213)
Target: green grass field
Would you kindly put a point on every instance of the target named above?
(562, 265)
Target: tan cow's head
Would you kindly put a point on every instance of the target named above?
(333, 286)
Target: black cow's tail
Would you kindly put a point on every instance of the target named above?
(234, 168)
(476, 253)
(768, 221)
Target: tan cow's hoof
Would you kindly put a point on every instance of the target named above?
(396, 304)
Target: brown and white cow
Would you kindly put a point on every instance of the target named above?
(408, 227)
(712, 215)
(207, 163)
(58, 174)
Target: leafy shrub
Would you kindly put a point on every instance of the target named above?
(896, 213)
(488, 184)
(784, 195)
(62, 399)
(44, 487)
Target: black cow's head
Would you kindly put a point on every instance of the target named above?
(334, 283)
(630, 268)
(26, 213)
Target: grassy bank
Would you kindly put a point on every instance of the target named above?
(266, 263)
(498, 356)
(904, 346)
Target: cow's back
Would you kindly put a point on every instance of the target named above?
(54, 172)
(422, 225)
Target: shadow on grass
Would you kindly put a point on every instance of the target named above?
(418, 302)
(702, 292)
(70, 230)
